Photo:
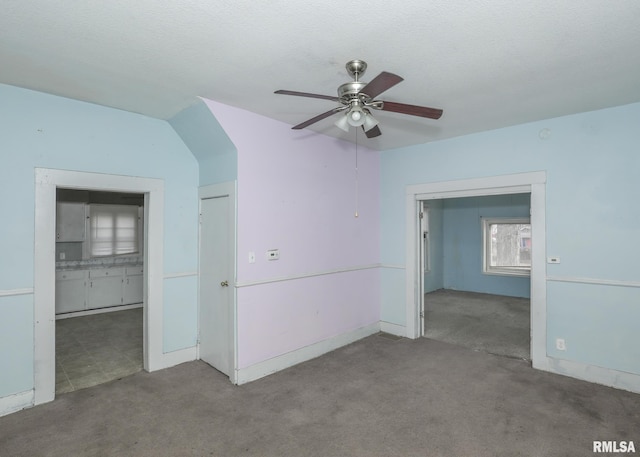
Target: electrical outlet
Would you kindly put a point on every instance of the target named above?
(560, 344)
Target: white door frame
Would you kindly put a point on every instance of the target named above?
(226, 189)
(533, 183)
(47, 180)
(423, 222)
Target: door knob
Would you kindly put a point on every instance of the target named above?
(224, 283)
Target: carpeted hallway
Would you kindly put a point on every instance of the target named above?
(376, 397)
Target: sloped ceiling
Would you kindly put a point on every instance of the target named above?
(488, 64)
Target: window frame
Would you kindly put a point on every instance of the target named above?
(487, 268)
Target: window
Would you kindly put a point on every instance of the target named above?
(113, 230)
(507, 246)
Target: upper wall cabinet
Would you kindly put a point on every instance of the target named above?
(70, 221)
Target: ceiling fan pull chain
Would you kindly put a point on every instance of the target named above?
(357, 183)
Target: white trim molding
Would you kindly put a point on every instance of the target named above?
(173, 358)
(46, 182)
(599, 282)
(307, 275)
(533, 183)
(91, 312)
(185, 274)
(14, 292)
(592, 373)
(267, 367)
(16, 402)
(393, 329)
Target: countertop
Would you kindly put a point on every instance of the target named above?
(99, 262)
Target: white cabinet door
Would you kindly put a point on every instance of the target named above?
(105, 287)
(132, 287)
(70, 221)
(71, 291)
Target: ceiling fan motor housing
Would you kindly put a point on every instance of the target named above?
(349, 91)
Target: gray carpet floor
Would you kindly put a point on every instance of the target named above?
(484, 322)
(375, 397)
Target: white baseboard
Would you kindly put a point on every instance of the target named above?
(394, 329)
(591, 373)
(90, 312)
(171, 359)
(16, 402)
(262, 369)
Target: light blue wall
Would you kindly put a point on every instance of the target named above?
(16, 344)
(40, 130)
(462, 227)
(592, 166)
(216, 154)
(180, 314)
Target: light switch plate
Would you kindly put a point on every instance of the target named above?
(273, 254)
(252, 257)
(553, 259)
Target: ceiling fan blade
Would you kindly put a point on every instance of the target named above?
(306, 94)
(319, 117)
(372, 133)
(381, 83)
(413, 110)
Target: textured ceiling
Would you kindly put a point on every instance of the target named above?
(487, 64)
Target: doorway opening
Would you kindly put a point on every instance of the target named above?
(99, 287)
(417, 196)
(47, 182)
(475, 264)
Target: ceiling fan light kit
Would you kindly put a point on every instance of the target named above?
(357, 99)
(342, 123)
(369, 121)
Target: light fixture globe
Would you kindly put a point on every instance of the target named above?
(342, 123)
(369, 121)
(355, 116)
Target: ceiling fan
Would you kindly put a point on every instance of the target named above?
(356, 100)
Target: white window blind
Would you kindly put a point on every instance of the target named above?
(113, 230)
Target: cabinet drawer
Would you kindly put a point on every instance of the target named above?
(132, 271)
(104, 272)
(70, 274)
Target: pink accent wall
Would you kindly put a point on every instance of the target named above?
(281, 317)
(297, 193)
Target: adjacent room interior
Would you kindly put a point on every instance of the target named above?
(476, 265)
(99, 287)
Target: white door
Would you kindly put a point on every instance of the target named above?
(216, 283)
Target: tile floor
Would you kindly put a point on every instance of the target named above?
(94, 349)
